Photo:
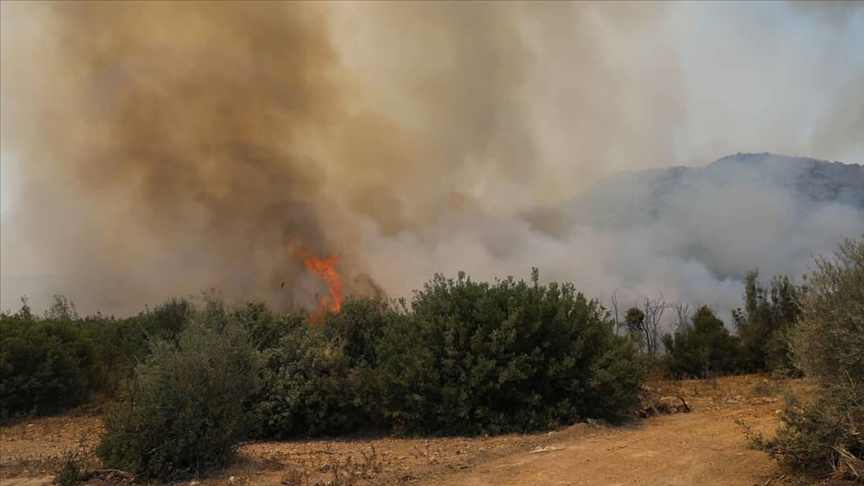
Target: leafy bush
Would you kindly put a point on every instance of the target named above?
(187, 405)
(821, 437)
(828, 344)
(46, 365)
(701, 348)
(120, 344)
(321, 379)
(264, 328)
(507, 357)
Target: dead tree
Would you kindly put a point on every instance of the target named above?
(653, 310)
(646, 322)
(682, 309)
(618, 324)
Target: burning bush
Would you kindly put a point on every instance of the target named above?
(478, 357)
(322, 379)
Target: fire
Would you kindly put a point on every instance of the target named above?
(326, 269)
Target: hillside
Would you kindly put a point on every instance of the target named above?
(643, 197)
(744, 211)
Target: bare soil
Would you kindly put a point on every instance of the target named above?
(703, 447)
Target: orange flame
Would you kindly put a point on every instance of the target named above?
(326, 269)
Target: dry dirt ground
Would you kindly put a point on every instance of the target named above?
(704, 447)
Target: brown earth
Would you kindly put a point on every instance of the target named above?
(704, 447)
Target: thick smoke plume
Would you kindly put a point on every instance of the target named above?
(160, 148)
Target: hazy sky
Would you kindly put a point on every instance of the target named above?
(402, 132)
(746, 66)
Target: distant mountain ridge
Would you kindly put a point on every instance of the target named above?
(640, 197)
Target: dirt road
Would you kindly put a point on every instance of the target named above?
(701, 448)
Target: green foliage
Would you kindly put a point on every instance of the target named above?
(46, 365)
(265, 329)
(822, 437)
(765, 323)
(187, 406)
(322, 379)
(701, 348)
(829, 342)
(120, 344)
(825, 436)
(194, 379)
(506, 357)
(634, 322)
(73, 464)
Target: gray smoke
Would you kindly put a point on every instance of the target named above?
(159, 148)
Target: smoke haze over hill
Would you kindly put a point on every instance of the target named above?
(159, 148)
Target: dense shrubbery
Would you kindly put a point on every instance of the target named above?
(54, 362)
(465, 357)
(187, 406)
(506, 357)
(46, 366)
(323, 379)
(828, 345)
(702, 347)
(120, 344)
(765, 323)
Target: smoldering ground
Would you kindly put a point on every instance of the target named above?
(160, 148)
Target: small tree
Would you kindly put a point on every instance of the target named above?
(644, 324)
(765, 323)
(186, 407)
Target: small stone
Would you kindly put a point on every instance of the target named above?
(325, 468)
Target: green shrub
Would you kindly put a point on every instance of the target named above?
(828, 344)
(264, 328)
(511, 356)
(321, 379)
(73, 465)
(120, 344)
(359, 326)
(701, 348)
(187, 406)
(821, 437)
(46, 364)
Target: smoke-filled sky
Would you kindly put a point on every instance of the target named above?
(151, 149)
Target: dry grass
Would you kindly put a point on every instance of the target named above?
(725, 392)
